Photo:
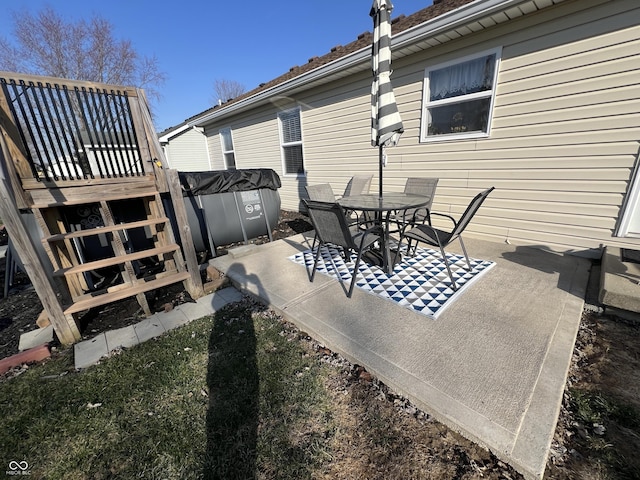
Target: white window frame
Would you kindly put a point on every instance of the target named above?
(284, 144)
(629, 225)
(426, 103)
(227, 152)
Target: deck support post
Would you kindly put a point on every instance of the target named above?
(194, 282)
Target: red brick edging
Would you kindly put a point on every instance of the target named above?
(34, 354)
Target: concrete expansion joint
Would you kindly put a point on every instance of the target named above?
(301, 298)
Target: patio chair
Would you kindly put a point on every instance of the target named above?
(442, 238)
(358, 184)
(331, 227)
(417, 186)
(322, 192)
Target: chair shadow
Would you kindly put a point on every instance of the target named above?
(233, 382)
(546, 261)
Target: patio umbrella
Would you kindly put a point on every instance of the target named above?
(386, 124)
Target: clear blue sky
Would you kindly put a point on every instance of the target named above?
(198, 41)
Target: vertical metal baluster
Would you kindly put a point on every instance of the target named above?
(64, 127)
(85, 108)
(49, 122)
(40, 148)
(111, 152)
(74, 117)
(131, 133)
(17, 95)
(127, 150)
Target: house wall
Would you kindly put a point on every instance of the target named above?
(565, 129)
(256, 143)
(187, 151)
(563, 143)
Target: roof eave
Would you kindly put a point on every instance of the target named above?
(468, 13)
(164, 136)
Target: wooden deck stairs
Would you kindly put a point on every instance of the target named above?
(84, 159)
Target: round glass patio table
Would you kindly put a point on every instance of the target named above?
(383, 207)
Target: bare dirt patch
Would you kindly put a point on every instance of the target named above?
(598, 432)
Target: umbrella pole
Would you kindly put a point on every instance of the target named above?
(380, 157)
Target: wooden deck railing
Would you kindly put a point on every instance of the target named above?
(74, 131)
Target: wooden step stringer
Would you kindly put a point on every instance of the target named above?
(70, 268)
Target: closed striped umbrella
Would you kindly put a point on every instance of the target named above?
(386, 124)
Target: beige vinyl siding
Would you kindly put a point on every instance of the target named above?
(563, 142)
(187, 152)
(571, 111)
(564, 135)
(215, 149)
(256, 144)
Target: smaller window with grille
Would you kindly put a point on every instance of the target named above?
(291, 141)
(228, 152)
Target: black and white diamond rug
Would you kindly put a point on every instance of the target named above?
(419, 282)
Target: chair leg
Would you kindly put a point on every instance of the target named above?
(464, 250)
(446, 263)
(355, 273)
(395, 257)
(315, 263)
(415, 248)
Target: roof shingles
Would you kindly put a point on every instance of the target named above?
(363, 40)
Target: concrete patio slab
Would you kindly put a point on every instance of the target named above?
(493, 366)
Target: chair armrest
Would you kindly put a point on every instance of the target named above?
(414, 216)
(453, 220)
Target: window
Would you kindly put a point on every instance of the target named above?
(458, 98)
(226, 141)
(291, 141)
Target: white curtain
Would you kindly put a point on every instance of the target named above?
(463, 78)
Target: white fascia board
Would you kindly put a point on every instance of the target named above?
(447, 21)
(453, 19)
(165, 138)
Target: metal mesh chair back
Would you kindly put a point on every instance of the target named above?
(442, 238)
(330, 223)
(331, 226)
(421, 186)
(321, 192)
(471, 210)
(358, 185)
